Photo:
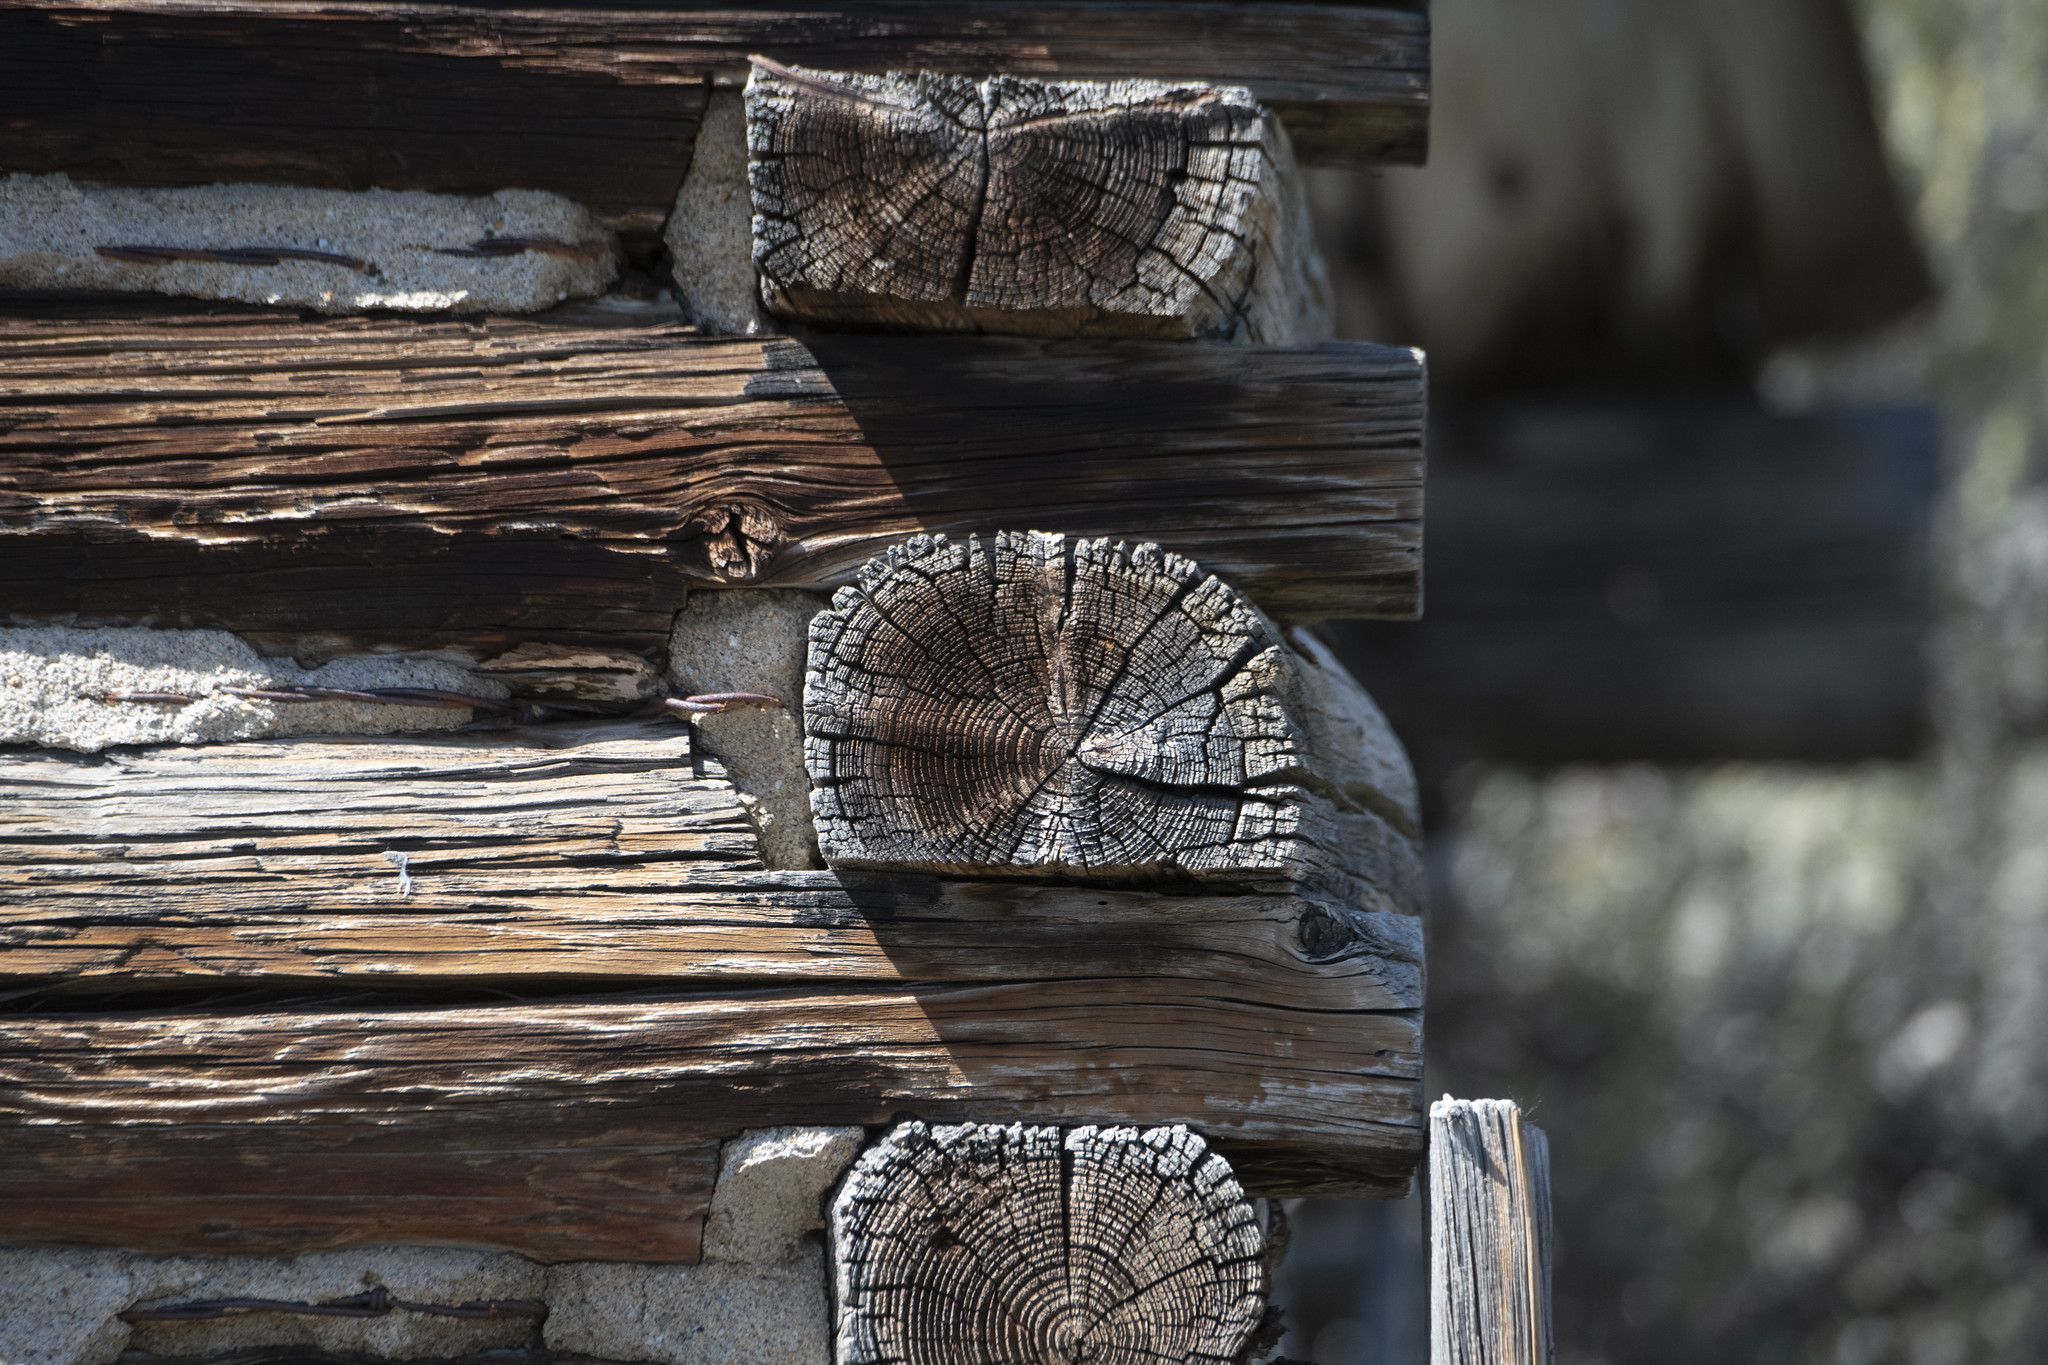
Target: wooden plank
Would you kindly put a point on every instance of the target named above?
(482, 483)
(592, 858)
(1489, 1221)
(555, 1188)
(601, 102)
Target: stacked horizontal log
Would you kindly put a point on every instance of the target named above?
(583, 861)
(602, 104)
(515, 987)
(480, 484)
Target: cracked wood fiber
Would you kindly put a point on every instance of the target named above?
(1489, 1238)
(589, 859)
(480, 484)
(985, 1245)
(1039, 705)
(1016, 205)
(589, 854)
(602, 104)
(1035, 705)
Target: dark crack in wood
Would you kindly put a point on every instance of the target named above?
(985, 1245)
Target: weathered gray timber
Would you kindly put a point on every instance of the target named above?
(1006, 204)
(588, 859)
(601, 104)
(960, 1245)
(332, 486)
(1489, 1219)
(1036, 705)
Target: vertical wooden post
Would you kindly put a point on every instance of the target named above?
(1489, 1222)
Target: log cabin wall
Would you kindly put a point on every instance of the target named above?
(296, 969)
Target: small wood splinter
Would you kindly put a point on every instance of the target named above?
(709, 703)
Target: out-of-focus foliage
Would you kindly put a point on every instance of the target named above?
(1718, 992)
(1789, 1028)
(1635, 190)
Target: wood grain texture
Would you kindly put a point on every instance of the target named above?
(1489, 1217)
(1045, 706)
(599, 858)
(601, 102)
(480, 484)
(369, 1110)
(973, 1243)
(561, 855)
(1008, 204)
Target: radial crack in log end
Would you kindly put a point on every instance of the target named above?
(976, 1243)
(1018, 205)
(1037, 704)
(1044, 707)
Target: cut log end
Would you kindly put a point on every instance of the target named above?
(1017, 205)
(1025, 1244)
(1043, 705)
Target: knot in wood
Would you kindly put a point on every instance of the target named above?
(1046, 706)
(986, 1245)
(729, 542)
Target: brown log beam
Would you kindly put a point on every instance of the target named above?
(572, 858)
(981, 1243)
(561, 855)
(601, 103)
(116, 1126)
(485, 482)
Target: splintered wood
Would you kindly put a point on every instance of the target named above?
(1489, 1213)
(1029, 1246)
(1008, 204)
(1035, 705)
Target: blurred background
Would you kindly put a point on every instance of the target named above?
(1731, 703)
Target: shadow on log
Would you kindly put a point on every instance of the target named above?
(362, 483)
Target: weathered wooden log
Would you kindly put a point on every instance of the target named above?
(1036, 706)
(1673, 580)
(1489, 1218)
(588, 859)
(1013, 205)
(555, 855)
(370, 1124)
(961, 1245)
(382, 482)
(601, 104)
